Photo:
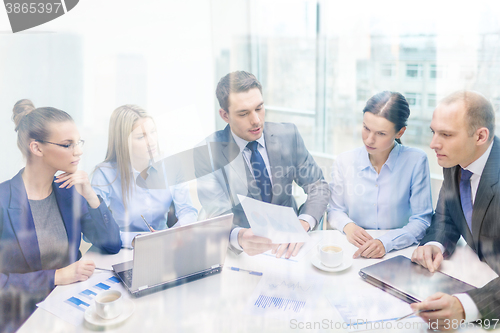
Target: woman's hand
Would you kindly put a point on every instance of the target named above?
(78, 271)
(371, 249)
(356, 235)
(80, 180)
(133, 239)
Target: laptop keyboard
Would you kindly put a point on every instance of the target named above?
(126, 277)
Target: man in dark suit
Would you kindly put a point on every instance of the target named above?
(257, 160)
(469, 205)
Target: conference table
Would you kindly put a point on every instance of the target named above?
(219, 303)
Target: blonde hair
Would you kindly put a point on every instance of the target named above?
(31, 123)
(121, 124)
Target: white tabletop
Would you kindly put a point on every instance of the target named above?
(217, 303)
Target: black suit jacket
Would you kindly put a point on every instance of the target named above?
(448, 224)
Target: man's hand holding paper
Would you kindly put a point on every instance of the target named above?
(277, 224)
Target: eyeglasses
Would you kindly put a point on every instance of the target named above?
(69, 146)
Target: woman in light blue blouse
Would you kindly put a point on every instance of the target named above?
(131, 183)
(383, 185)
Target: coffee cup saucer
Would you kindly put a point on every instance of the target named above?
(93, 318)
(346, 263)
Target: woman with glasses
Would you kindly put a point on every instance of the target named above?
(132, 184)
(383, 185)
(42, 217)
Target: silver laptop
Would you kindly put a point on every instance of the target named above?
(410, 282)
(171, 257)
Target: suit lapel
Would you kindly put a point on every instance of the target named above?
(462, 225)
(273, 148)
(485, 193)
(22, 222)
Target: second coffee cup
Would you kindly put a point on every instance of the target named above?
(109, 304)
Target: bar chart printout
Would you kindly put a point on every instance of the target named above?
(283, 295)
(73, 300)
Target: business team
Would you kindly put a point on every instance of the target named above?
(384, 185)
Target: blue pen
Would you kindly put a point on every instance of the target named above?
(246, 270)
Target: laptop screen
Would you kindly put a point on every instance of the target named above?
(167, 255)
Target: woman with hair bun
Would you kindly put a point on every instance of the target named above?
(42, 217)
(383, 185)
(131, 183)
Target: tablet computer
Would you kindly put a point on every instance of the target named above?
(410, 282)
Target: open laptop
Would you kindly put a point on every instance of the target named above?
(410, 282)
(171, 257)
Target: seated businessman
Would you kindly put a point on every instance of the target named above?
(258, 160)
(469, 205)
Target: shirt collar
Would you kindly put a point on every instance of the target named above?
(242, 144)
(150, 169)
(477, 166)
(391, 160)
(393, 156)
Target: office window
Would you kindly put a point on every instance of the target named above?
(318, 65)
(388, 70)
(436, 72)
(431, 101)
(362, 95)
(496, 104)
(467, 73)
(362, 70)
(414, 99)
(414, 71)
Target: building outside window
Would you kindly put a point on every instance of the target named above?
(496, 105)
(436, 72)
(362, 71)
(362, 94)
(388, 70)
(431, 101)
(414, 99)
(318, 67)
(414, 71)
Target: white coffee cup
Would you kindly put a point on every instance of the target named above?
(330, 255)
(109, 304)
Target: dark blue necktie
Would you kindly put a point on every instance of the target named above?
(260, 172)
(465, 196)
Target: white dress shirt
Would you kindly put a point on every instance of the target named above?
(247, 154)
(476, 167)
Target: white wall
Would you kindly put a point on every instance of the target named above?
(102, 54)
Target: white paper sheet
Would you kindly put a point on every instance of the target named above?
(71, 303)
(368, 305)
(311, 243)
(282, 295)
(278, 223)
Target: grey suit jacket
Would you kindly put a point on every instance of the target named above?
(448, 224)
(223, 174)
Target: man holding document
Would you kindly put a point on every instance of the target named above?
(258, 160)
(469, 205)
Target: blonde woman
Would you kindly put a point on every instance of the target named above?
(42, 217)
(128, 178)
